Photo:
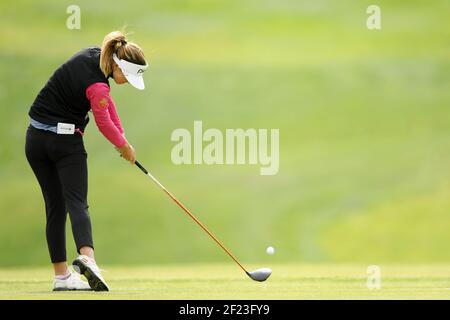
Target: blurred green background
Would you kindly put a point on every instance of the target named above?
(363, 115)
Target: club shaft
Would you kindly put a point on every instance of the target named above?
(186, 210)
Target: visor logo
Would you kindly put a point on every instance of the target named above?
(140, 71)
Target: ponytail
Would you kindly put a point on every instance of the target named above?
(115, 42)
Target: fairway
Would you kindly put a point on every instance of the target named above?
(362, 175)
(223, 281)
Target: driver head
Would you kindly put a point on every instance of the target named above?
(260, 274)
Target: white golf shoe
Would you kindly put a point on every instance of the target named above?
(87, 267)
(70, 283)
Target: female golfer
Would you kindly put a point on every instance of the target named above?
(55, 150)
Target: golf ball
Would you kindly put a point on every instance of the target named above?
(270, 250)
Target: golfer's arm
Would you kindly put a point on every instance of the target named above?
(115, 117)
(100, 100)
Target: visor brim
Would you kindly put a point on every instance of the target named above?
(135, 81)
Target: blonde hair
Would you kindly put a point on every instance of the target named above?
(115, 42)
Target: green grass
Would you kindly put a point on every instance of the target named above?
(224, 281)
(363, 116)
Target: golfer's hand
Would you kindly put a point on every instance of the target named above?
(127, 152)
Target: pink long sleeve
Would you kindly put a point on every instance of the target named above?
(105, 113)
(115, 117)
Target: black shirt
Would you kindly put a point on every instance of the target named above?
(63, 98)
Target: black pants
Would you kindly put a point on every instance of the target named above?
(59, 163)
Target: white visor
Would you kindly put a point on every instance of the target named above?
(133, 72)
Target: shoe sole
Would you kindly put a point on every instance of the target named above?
(95, 282)
(67, 289)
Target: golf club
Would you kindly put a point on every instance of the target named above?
(257, 275)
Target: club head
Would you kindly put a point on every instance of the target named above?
(260, 274)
